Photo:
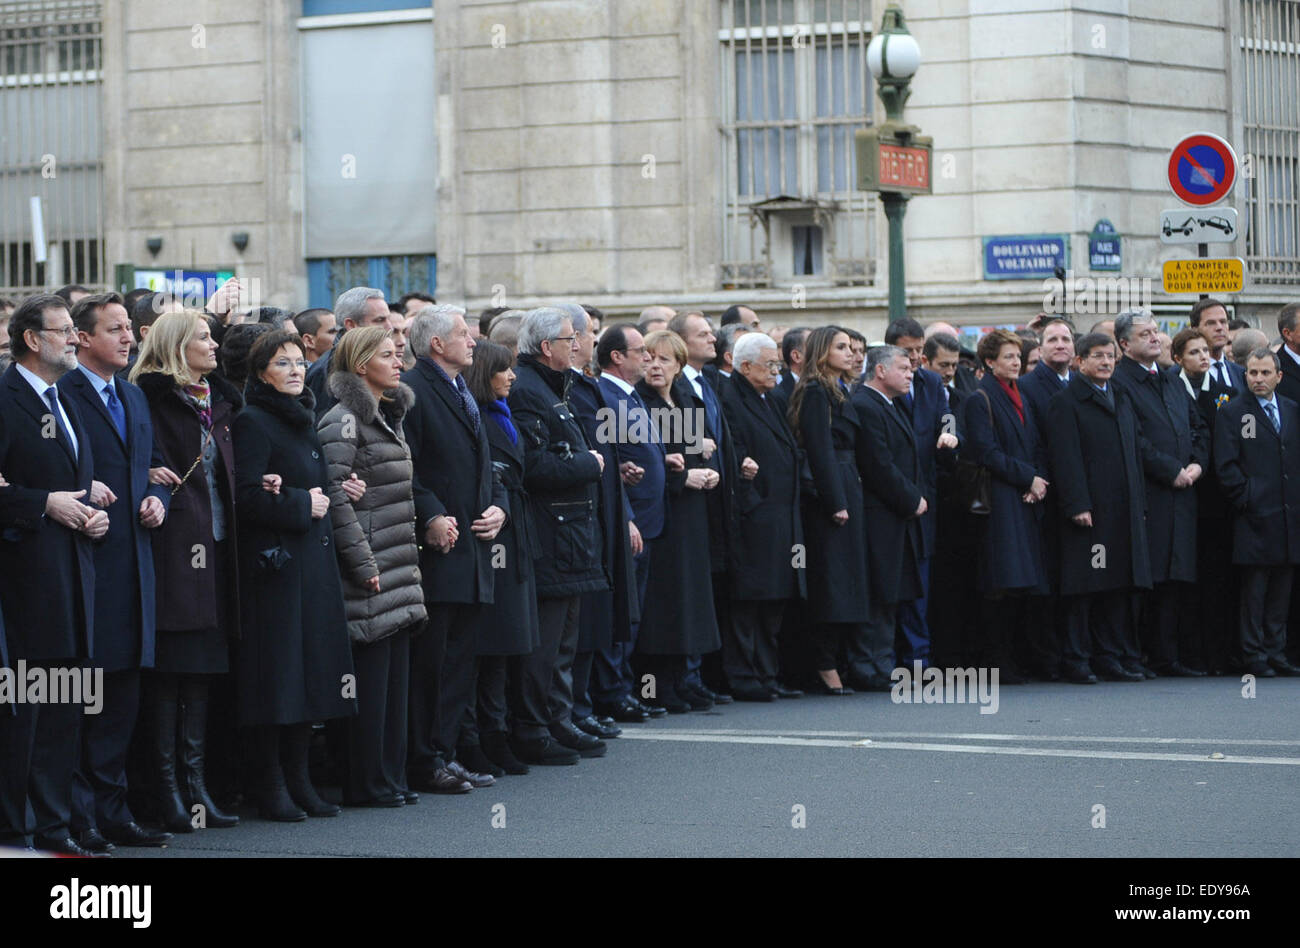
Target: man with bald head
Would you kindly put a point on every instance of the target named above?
(654, 317)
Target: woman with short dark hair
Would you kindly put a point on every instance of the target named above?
(1002, 436)
(294, 664)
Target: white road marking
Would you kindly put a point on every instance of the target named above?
(1047, 738)
(871, 744)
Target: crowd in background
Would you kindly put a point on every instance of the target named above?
(393, 549)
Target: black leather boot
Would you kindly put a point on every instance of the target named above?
(273, 800)
(170, 809)
(295, 741)
(194, 725)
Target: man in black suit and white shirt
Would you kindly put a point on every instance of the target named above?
(49, 517)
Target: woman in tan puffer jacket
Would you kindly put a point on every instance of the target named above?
(378, 558)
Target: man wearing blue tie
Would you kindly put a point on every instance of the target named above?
(622, 357)
(1256, 446)
(120, 433)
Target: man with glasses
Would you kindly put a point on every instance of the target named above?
(764, 577)
(623, 358)
(562, 475)
(47, 575)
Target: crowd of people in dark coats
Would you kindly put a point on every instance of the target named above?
(391, 550)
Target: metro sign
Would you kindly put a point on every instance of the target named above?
(891, 158)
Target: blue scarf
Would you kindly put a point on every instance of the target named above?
(499, 412)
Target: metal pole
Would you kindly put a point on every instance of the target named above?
(895, 208)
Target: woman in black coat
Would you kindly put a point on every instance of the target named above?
(294, 663)
(509, 626)
(826, 425)
(679, 619)
(1002, 435)
(196, 587)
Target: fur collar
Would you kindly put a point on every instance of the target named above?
(155, 385)
(297, 412)
(355, 395)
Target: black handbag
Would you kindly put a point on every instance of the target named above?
(974, 485)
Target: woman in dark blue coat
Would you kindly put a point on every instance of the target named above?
(826, 425)
(294, 662)
(1002, 435)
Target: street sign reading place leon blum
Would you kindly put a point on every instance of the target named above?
(1025, 256)
(1210, 225)
(1204, 275)
(1202, 169)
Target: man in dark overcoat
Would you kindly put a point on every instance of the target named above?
(1175, 454)
(1096, 455)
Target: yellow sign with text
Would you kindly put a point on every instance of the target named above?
(1205, 275)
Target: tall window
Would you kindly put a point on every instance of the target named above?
(1270, 42)
(50, 145)
(327, 278)
(795, 88)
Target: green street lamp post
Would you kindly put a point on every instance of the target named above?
(893, 158)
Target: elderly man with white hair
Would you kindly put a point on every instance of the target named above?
(764, 581)
(359, 306)
(459, 509)
(562, 475)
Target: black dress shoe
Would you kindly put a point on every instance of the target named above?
(654, 710)
(752, 693)
(672, 702)
(1113, 671)
(1258, 669)
(1077, 676)
(440, 781)
(132, 834)
(472, 777)
(626, 711)
(1283, 667)
(589, 725)
(781, 691)
(603, 719)
(717, 697)
(821, 688)
(543, 751)
(496, 747)
(566, 735)
(409, 797)
(67, 846)
(92, 841)
(696, 698)
(378, 803)
(1179, 670)
(474, 760)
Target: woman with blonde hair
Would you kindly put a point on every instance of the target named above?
(374, 540)
(678, 619)
(194, 558)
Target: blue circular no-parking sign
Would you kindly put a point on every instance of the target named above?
(1202, 169)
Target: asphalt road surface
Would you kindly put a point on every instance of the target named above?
(1182, 768)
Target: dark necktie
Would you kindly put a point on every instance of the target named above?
(1276, 422)
(467, 400)
(52, 396)
(115, 410)
(907, 403)
(711, 415)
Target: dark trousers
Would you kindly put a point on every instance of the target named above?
(582, 663)
(913, 631)
(1212, 629)
(1044, 633)
(1099, 631)
(1003, 622)
(492, 708)
(710, 668)
(377, 735)
(38, 753)
(749, 643)
(544, 691)
(99, 782)
(612, 669)
(1265, 602)
(870, 650)
(1162, 615)
(441, 685)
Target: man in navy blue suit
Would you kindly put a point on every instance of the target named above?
(934, 429)
(1038, 387)
(118, 427)
(48, 521)
(1210, 316)
(622, 357)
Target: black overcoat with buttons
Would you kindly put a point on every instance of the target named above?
(294, 652)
